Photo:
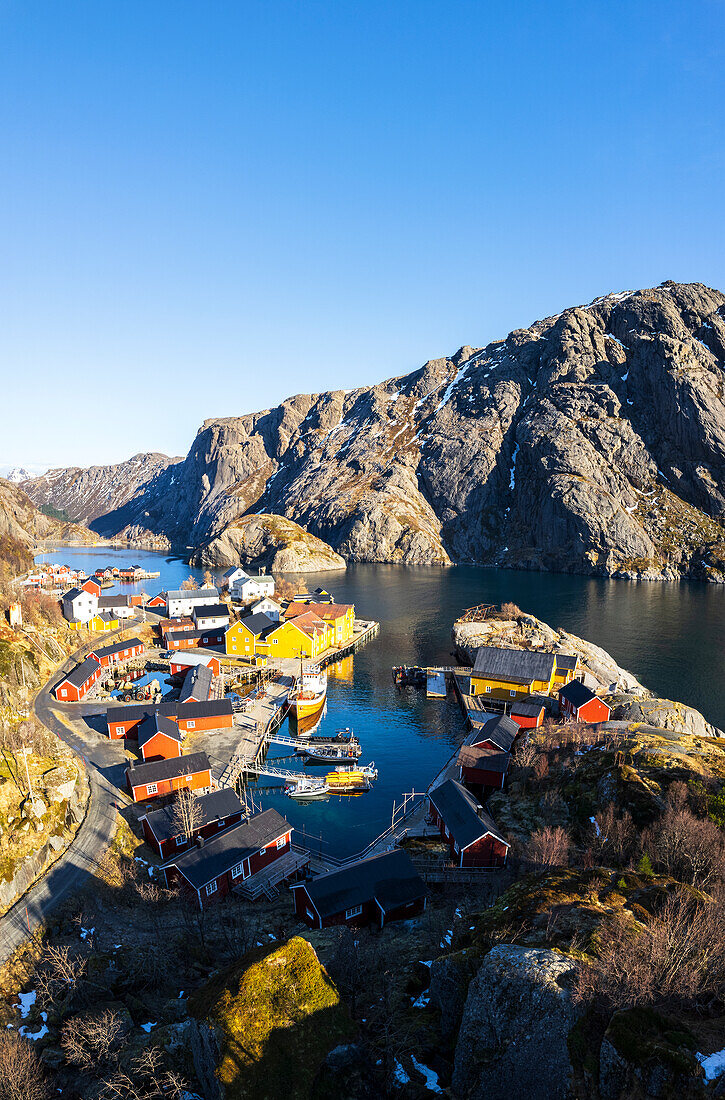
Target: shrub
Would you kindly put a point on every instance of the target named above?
(689, 848)
(21, 1075)
(549, 847)
(644, 866)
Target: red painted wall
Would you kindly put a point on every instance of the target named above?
(160, 747)
(168, 848)
(199, 780)
(478, 777)
(220, 722)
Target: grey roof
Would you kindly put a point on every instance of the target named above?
(232, 570)
(208, 708)
(106, 617)
(487, 760)
(157, 723)
(72, 593)
(114, 601)
(258, 623)
(197, 684)
(501, 731)
(566, 661)
(213, 806)
(122, 713)
(210, 594)
(195, 635)
(82, 672)
(210, 610)
(220, 854)
(527, 709)
(577, 693)
(109, 650)
(389, 878)
(465, 818)
(159, 770)
(518, 665)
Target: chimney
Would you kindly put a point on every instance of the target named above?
(200, 842)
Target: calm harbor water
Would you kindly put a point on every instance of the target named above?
(672, 636)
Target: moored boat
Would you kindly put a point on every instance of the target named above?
(310, 692)
(344, 780)
(306, 789)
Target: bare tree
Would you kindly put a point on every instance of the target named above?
(353, 960)
(59, 974)
(186, 814)
(21, 1074)
(92, 1040)
(148, 1080)
(549, 847)
(687, 847)
(208, 579)
(189, 585)
(679, 957)
(615, 836)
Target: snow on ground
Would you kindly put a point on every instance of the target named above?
(147, 1027)
(35, 1035)
(713, 1064)
(514, 456)
(596, 826)
(26, 1002)
(421, 1001)
(400, 1075)
(625, 376)
(86, 932)
(431, 1077)
(460, 373)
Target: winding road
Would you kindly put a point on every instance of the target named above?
(104, 766)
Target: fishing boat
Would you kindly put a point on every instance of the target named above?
(306, 789)
(344, 751)
(409, 676)
(310, 692)
(345, 780)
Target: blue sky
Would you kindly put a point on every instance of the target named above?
(208, 206)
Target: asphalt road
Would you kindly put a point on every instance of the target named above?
(103, 762)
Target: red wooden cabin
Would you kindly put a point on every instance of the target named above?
(122, 651)
(214, 714)
(179, 666)
(92, 586)
(528, 715)
(159, 600)
(376, 890)
(75, 686)
(161, 777)
(159, 738)
(480, 766)
(579, 704)
(212, 869)
(498, 733)
(469, 830)
(218, 810)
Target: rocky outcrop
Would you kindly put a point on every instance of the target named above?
(87, 495)
(590, 442)
(268, 542)
(22, 523)
(515, 1027)
(599, 667)
(667, 714)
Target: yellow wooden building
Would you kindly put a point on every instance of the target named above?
(339, 619)
(256, 634)
(507, 674)
(565, 668)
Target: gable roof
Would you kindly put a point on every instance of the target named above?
(195, 594)
(465, 818)
(119, 647)
(322, 610)
(193, 635)
(232, 570)
(133, 714)
(218, 855)
(213, 806)
(197, 684)
(577, 693)
(389, 878)
(517, 665)
(157, 723)
(487, 760)
(72, 593)
(527, 709)
(207, 708)
(566, 661)
(82, 672)
(192, 657)
(114, 601)
(256, 624)
(159, 770)
(210, 610)
(502, 731)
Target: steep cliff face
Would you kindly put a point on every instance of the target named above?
(90, 494)
(593, 441)
(21, 524)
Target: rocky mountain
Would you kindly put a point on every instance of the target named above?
(18, 474)
(87, 495)
(21, 524)
(268, 542)
(592, 441)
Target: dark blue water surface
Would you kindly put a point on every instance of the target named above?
(671, 636)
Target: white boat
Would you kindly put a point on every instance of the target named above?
(307, 788)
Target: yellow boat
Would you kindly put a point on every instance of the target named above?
(344, 779)
(308, 698)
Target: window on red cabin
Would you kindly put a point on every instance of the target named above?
(211, 888)
(281, 841)
(354, 912)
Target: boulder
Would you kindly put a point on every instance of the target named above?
(450, 976)
(59, 784)
(513, 1039)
